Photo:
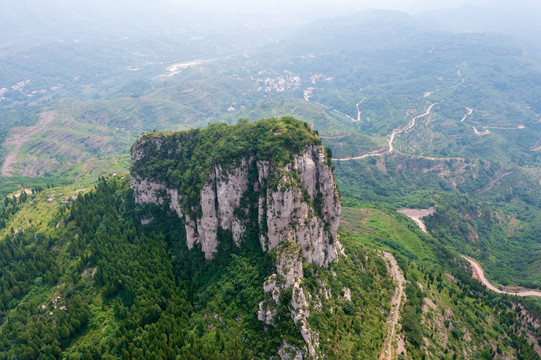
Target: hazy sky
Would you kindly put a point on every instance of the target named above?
(354, 5)
(293, 8)
(17, 16)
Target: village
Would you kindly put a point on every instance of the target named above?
(21, 86)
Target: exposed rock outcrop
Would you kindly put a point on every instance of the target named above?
(288, 279)
(294, 207)
(298, 202)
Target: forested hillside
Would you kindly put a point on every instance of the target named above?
(83, 278)
(103, 256)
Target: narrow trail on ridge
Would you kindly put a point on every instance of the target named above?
(392, 346)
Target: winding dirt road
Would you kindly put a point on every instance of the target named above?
(411, 125)
(470, 111)
(519, 127)
(378, 152)
(495, 181)
(359, 110)
(389, 348)
(479, 274)
(408, 127)
(459, 73)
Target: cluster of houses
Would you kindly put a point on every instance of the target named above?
(317, 77)
(20, 86)
(280, 84)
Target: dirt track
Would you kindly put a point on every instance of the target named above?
(389, 349)
(479, 274)
(470, 111)
(378, 152)
(417, 214)
(411, 125)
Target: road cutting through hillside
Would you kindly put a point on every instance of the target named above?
(470, 111)
(392, 345)
(391, 139)
(359, 110)
(479, 274)
(459, 73)
(411, 125)
(378, 152)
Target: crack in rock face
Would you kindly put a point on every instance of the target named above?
(303, 206)
(296, 208)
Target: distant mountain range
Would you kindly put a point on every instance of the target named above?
(522, 22)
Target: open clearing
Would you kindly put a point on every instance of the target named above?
(417, 214)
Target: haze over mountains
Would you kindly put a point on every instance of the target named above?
(521, 22)
(434, 112)
(55, 19)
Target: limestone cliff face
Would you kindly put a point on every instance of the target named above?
(295, 209)
(289, 277)
(299, 202)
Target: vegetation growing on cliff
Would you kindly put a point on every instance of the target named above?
(133, 291)
(185, 160)
(111, 288)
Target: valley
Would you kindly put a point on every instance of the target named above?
(326, 189)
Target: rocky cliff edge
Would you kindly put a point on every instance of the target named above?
(297, 201)
(290, 196)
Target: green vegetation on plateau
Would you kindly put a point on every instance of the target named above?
(84, 280)
(190, 156)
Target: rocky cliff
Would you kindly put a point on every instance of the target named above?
(273, 176)
(297, 200)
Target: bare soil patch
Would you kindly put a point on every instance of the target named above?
(417, 214)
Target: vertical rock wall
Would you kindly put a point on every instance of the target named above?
(297, 211)
(298, 202)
